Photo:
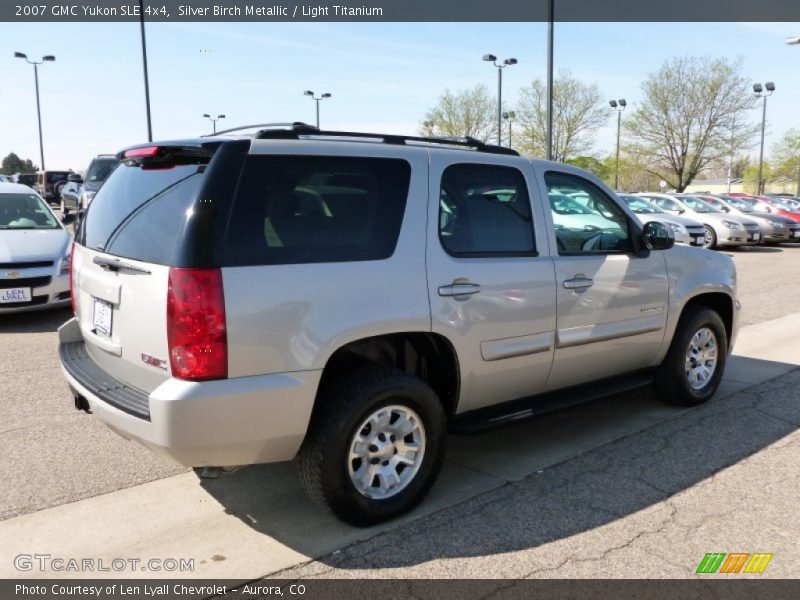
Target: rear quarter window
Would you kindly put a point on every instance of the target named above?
(140, 212)
(315, 209)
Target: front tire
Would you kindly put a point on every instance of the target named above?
(375, 445)
(711, 238)
(693, 368)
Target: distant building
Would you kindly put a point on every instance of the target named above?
(715, 186)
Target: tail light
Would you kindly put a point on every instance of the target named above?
(71, 276)
(196, 328)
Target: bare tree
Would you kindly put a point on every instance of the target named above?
(692, 115)
(468, 113)
(578, 112)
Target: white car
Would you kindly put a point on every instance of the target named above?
(34, 252)
(687, 231)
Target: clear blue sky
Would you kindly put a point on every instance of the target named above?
(383, 77)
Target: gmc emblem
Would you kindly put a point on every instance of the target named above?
(154, 362)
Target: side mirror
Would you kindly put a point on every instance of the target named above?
(657, 236)
(74, 178)
(69, 218)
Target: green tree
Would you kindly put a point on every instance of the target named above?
(691, 116)
(750, 177)
(633, 175)
(14, 164)
(591, 164)
(468, 113)
(578, 112)
(786, 154)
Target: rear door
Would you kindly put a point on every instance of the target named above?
(121, 267)
(490, 277)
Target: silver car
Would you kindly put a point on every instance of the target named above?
(687, 231)
(34, 252)
(722, 229)
(346, 300)
(775, 229)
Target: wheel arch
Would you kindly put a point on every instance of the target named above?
(429, 356)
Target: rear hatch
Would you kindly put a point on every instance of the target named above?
(122, 257)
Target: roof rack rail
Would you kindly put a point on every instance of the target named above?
(301, 129)
(257, 125)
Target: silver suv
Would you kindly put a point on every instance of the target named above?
(347, 299)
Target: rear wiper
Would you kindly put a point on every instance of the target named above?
(115, 264)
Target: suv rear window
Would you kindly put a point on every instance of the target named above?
(139, 212)
(314, 209)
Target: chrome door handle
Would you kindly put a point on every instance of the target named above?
(459, 289)
(578, 283)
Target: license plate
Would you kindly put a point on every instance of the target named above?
(15, 295)
(103, 314)
(756, 237)
(796, 233)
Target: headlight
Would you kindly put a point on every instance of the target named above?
(732, 226)
(65, 262)
(778, 224)
(677, 228)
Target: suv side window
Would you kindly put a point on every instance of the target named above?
(586, 219)
(316, 209)
(485, 210)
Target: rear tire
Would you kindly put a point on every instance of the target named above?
(687, 376)
(364, 413)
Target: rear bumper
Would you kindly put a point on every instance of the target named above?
(228, 422)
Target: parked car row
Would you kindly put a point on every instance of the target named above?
(727, 220)
(80, 191)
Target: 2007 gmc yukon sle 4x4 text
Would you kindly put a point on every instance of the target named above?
(347, 299)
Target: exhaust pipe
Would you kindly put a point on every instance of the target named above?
(82, 403)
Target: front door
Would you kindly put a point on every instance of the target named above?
(490, 277)
(612, 303)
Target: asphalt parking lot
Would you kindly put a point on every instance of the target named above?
(591, 492)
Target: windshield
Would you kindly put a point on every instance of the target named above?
(100, 169)
(25, 211)
(715, 204)
(697, 205)
(741, 204)
(641, 206)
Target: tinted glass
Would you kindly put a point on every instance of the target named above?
(55, 176)
(312, 209)
(100, 169)
(25, 211)
(586, 219)
(485, 210)
(134, 188)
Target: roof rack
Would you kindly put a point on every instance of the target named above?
(257, 125)
(302, 129)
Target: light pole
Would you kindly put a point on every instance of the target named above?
(213, 120)
(146, 78)
(618, 106)
(36, 63)
(310, 94)
(760, 93)
(506, 63)
(509, 115)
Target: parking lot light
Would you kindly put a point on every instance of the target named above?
(509, 115)
(213, 120)
(508, 62)
(35, 63)
(324, 96)
(793, 41)
(619, 106)
(760, 93)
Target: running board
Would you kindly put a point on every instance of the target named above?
(508, 413)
